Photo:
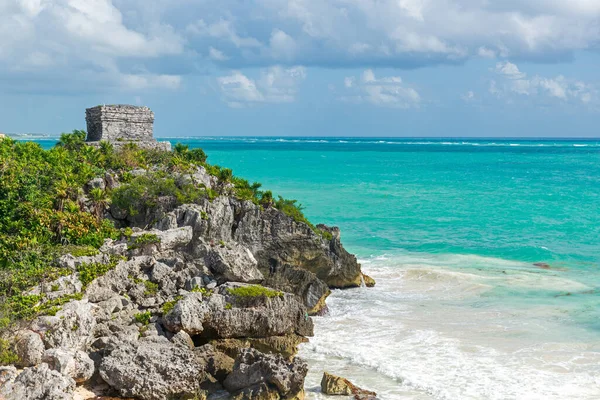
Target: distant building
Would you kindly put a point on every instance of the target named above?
(121, 124)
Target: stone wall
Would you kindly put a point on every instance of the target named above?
(122, 124)
(119, 123)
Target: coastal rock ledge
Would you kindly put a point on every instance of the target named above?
(200, 300)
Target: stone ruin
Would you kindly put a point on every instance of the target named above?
(122, 124)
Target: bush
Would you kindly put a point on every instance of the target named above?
(144, 240)
(143, 317)
(253, 291)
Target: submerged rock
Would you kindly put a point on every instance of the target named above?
(336, 385)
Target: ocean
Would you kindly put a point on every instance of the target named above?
(451, 229)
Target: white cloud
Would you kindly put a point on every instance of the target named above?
(384, 92)
(80, 38)
(469, 96)
(217, 55)
(514, 81)
(275, 85)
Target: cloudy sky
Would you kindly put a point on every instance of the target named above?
(306, 67)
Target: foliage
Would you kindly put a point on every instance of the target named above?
(7, 355)
(291, 208)
(143, 317)
(89, 272)
(144, 240)
(151, 288)
(169, 305)
(204, 291)
(254, 291)
(141, 195)
(324, 234)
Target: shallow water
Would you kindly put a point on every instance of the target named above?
(450, 229)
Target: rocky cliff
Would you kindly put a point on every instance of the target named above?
(201, 300)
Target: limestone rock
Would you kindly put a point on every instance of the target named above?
(71, 327)
(216, 363)
(253, 368)
(233, 263)
(74, 363)
(151, 371)
(369, 282)
(7, 373)
(187, 315)
(336, 385)
(38, 383)
(29, 347)
(168, 239)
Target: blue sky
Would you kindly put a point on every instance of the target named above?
(306, 67)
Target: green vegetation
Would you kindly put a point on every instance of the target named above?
(47, 210)
(151, 288)
(7, 355)
(253, 291)
(143, 317)
(169, 305)
(144, 240)
(205, 292)
(89, 272)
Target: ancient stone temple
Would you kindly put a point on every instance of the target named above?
(121, 124)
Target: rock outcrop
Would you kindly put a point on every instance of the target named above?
(204, 298)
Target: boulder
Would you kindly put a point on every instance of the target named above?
(151, 370)
(336, 385)
(225, 315)
(71, 327)
(253, 369)
(38, 383)
(187, 315)
(29, 347)
(233, 263)
(369, 282)
(74, 363)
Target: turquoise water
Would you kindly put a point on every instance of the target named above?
(450, 228)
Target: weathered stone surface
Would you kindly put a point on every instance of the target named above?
(255, 317)
(169, 239)
(336, 385)
(119, 122)
(369, 282)
(303, 283)
(216, 363)
(287, 345)
(233, 263)
(71, 327)
(38, 383)
(7, 373)
(29, 347)
(188, 315)
(253, 368)
(151, 371)
(74, 363)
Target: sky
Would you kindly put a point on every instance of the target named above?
(512, 68)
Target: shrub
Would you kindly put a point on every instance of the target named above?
(151, 288)
(7, 355)
(89, 272)
(144, 240)
(253, 291)
(169, 305)
(143, 317)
